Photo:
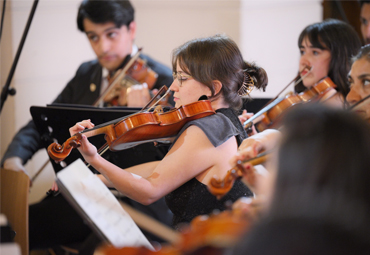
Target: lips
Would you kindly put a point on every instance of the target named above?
(107, 58)
(362, 114)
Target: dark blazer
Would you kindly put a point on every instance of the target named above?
(78, 89)
(27, 141)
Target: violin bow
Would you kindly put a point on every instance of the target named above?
(105, 147)
(118, 78)
(160, 91)
(249, 122)
(295, 83)
(353, 107)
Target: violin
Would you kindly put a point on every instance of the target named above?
(218, 230)
(219, 188)
(138, 128)
(270, 115)
(205, 234)
(136, 71)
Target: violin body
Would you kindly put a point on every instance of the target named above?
(138, 128)
(141, 72)
(206, 234)
(135, 71)
(138, 73)
(148, 126)
(270, 115)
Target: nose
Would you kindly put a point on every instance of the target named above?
(304, 61)
(353, 96)
(367, 31)
(174, 86)
(104, 45)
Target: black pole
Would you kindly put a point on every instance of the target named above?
(5, 91)
(2, 18)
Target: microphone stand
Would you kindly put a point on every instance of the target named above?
(6, 90)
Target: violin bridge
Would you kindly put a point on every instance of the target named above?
(158, 109)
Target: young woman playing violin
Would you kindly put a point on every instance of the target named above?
(213, 67)
(326, 48)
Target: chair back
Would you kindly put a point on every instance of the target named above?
(14, 204)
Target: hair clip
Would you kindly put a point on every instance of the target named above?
(248, 85)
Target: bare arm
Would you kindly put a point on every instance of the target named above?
(148, 182)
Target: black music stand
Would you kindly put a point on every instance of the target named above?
(254, 104)
(53, 123)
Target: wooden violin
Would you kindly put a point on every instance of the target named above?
(205, 234)
(270, 115)
(142, 127)
(219, 188)
(135, 71)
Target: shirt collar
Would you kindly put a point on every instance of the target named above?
(134, 50)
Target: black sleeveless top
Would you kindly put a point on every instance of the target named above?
(193, 198)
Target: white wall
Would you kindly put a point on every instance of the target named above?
(269, 36)
(266, 31)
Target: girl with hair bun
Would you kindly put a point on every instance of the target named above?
(211, 67)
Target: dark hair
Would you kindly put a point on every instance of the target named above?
(323, 149)
(218, 58)
(363, 2)
(321, 201)
(120, 12)
(341, 40)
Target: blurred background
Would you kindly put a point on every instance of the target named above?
(266, 31)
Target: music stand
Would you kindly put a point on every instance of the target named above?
(255, 104)
(53, 123)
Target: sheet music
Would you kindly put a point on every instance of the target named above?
(101, 207)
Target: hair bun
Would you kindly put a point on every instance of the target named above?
(258, 74)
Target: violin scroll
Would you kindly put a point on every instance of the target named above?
(59, 152)
(219, 188)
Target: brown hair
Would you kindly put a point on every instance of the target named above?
(218, 58)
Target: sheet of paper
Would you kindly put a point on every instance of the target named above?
(101, 206)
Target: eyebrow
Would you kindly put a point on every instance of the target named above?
(360, 76)
(106, 30)
(363, 75)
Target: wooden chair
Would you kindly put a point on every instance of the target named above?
(14, 204)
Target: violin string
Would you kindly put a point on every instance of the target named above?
(165, 94)
(118, 78)
(298, 81)
(164, 87)
(275, 100)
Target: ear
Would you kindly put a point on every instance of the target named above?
(217, 85)
(132, 29)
